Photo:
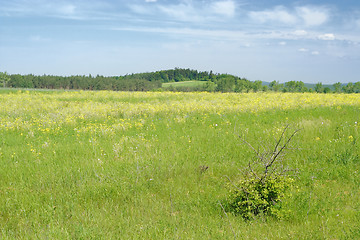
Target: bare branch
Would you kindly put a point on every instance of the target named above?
(253, 172)
(285, 144)
(247, 143)
(232, 183)
(227, 219)
(282, 148)
(266, 157)
(279, 141)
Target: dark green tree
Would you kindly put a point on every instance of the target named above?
(349, 88)
(319, 88)
(300, 86)
(4, 77)
(357, 87)
(257, 86)
(275, 86)
(327, 90)
(225, 83)
(290, 86)
(337, 87)
(210, 86)
(242, 85)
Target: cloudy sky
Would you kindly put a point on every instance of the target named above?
(310, 41)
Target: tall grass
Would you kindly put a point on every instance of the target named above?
(75, 166)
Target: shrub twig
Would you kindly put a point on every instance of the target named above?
(227, 219)
(265, 181)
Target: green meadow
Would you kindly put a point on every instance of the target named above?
(117, 165)
(184, 84)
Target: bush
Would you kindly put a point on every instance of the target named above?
(264, 185)
(252, 197)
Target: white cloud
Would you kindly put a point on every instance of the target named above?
(80, 10)
(193, 11)
(305, 15)
(68, 9)
(358, 22)
(140, 9)
(313, 16)
(149, 1)
(240, 36)
(37, 38)
(300, 33)
(278, 14)
(226, 8)
(183, 11)
(327, 37)
(198, 33)
(303, 50)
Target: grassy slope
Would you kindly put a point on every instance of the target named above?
(145, 183)
(184, 84)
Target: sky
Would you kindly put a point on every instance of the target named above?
(310, 41)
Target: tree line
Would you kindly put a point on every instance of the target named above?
(152, 81)
(81, 82)
(298, 86)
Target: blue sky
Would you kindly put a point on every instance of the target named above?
(310, 41)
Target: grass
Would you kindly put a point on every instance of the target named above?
(184, 84)
(106, 165)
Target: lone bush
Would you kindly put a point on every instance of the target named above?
(254, 197)
(264, 184)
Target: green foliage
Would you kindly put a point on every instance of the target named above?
(337, 87)
(294, 86)
(264, 185)
(210, 86)
(327, 90)
(4, 77)
(225, 83)
(349, 88)
(82, 82)
(357, 87)
(152, 81)
(251, 197)
(319, 88)
(275, 86)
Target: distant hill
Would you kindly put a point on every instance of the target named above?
(191, 80)
(310, 85)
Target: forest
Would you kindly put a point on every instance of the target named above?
(152, 81)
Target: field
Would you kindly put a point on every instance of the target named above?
(184, 84)
(141, 165)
